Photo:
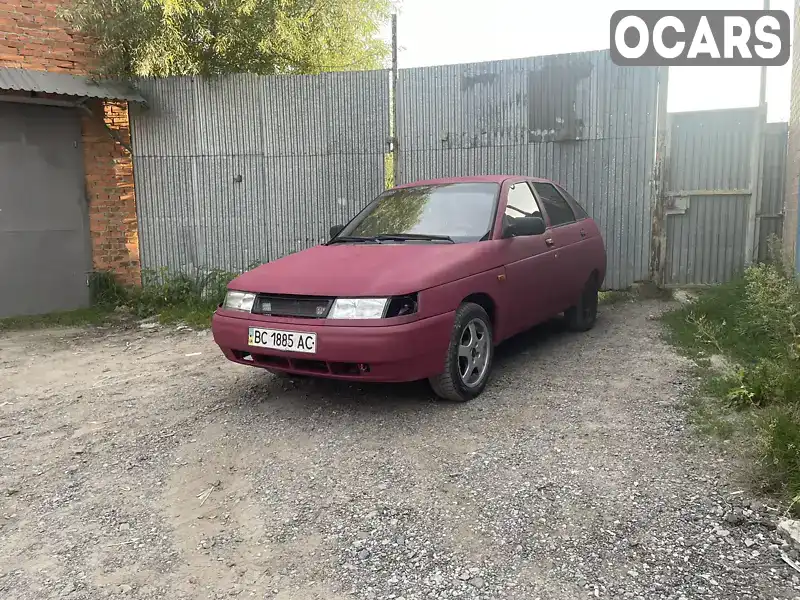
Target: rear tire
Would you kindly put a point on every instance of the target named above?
(583, 315)
(469, 356)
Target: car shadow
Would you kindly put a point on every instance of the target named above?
(293, 393)
(533, 340)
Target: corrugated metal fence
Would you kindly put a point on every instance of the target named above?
(575, 118)
(713, 170)
(770, 217)
(245, 169)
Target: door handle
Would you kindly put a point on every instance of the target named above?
(549, 242)
(583, 233)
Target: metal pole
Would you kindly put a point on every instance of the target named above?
(752, 234)
(394, 45)
(762, 90)
(753, 231)
(393, 102)
(658, 184)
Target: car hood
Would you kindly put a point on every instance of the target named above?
(368, 269)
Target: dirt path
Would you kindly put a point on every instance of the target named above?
(130, 469)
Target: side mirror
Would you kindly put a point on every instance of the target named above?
(336, 230)
(525, 226)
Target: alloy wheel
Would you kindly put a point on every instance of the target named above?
(473, 353)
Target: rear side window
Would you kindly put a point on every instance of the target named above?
(579, 210)
(555, 205)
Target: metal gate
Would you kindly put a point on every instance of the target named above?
(770, 216)
(575, 118)
(45, 254)
(723, 195)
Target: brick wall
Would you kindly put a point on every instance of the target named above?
(109, 183)
(793, 157)
(33, 37)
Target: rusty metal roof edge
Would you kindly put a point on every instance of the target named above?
(26, 80)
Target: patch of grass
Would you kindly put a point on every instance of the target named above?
(194, 317)
(722, 319)
(780, 450)
(388, 170)
(712, 419)
(713, 414)
(650, 291)
(106, 290)
(95, 315)
(639, 291)
(615, 297)
(753, 322)
(172, 297)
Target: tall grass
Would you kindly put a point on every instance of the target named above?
(180, 296)
(754, 322)
(169, 296)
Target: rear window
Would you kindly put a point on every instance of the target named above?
(462, 211)
(555, 205)
(579, 210)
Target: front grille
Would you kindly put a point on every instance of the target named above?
(305, 307)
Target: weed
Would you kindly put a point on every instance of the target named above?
(95, 315)
(755, 321)
(614, 297)
(780, 450)
(741, 396)
(106, 290)
(388, 169)
(163, 290)
(180, 296)
(173, 297)
(647, 290)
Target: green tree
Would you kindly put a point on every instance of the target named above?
(161, 38)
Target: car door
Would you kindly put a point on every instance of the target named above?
(530, 264)
(567, 236)
(595, 252)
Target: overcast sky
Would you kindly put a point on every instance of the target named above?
(435, 32)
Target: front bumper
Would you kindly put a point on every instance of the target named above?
(394, 353)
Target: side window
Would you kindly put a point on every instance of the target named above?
(579, 210)
(557, 208)
(521, 202)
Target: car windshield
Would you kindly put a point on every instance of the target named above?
(451, 212)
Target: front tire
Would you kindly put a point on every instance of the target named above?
(583, 315)
(469, 356)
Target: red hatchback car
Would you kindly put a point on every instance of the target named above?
(422, 284)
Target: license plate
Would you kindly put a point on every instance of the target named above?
(293, 341)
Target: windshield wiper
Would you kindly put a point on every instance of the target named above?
(356, 240)
(402, 237)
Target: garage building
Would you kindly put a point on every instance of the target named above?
(46, 247)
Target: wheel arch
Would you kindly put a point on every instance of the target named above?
(487, 303)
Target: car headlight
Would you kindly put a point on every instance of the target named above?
(239, 301)
(358, 308)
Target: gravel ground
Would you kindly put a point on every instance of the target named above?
(140, 464)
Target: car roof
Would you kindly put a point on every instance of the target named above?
(474, 179)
